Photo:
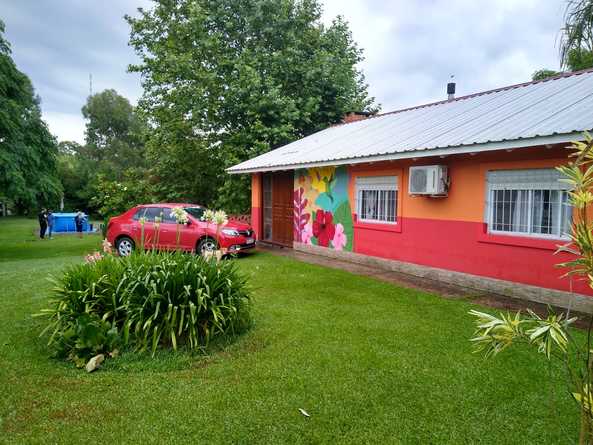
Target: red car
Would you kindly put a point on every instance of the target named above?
(124, 231)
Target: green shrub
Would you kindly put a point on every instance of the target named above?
(145, 301)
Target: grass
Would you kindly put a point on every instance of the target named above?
(370, 362)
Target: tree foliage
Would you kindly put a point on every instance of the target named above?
(227, 80)
(576, 44)
(112, 160)
(114, 133)
(76, 174)
(27, 149)
(544, 74)
(113, 197)
(577, 34)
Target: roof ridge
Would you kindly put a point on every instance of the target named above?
(562, 75)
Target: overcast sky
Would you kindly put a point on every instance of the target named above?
(411, 48)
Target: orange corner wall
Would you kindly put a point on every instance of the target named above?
(256, 199)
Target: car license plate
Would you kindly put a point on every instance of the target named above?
(249, 241)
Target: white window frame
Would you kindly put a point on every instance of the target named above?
(377, 183)
(528, 180)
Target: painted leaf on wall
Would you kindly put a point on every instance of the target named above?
(343, 215)
(325, 202)
(301, 218)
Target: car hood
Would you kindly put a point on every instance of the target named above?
(237, 225)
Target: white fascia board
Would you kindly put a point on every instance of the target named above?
(476, 148)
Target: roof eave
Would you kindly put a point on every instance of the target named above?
(474, 148)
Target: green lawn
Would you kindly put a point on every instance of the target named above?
(370, 362)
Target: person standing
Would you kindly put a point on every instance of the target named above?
(78, 221)
(50, 223)
(42, 217)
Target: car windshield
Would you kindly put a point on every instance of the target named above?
(196, 212)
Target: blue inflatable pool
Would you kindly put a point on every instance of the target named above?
(64, 222)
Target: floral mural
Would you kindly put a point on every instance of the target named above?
(322, 214)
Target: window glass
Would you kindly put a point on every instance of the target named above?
(376, 198)
(533, 202)
(139, 213)
(196, 212)
(151, 212)
(166, 216)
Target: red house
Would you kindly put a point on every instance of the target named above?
(463, 191)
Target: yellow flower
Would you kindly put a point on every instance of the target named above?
(320, 177)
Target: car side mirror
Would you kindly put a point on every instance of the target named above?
(188, 223)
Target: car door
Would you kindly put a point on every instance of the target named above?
(168, 233)
(134, 227)
(151, 240)
(169, 230)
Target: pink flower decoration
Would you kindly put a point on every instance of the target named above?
(339, 240)
(93, 257)
(307, 233)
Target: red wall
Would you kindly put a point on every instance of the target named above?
(450, 233)
(462, 246)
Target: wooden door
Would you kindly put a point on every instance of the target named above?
(282, 208)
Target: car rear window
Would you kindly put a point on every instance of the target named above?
(139, 213)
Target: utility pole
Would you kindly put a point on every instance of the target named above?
(90, 84)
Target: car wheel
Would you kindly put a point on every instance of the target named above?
(206, 245)
(125, 246)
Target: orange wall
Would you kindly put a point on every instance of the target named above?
(256, 198)
(256, 190)
(466, 198)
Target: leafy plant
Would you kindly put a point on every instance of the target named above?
(551, 335)
(84, 313)
(144, 301)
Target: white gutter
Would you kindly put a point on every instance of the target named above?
(476, 148)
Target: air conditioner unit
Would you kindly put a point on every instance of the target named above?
(428, 180)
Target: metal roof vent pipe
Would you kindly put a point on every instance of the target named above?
(451, 90)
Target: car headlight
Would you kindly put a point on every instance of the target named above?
(230, 232)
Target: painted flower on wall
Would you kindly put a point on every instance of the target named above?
(307, 234)
(324, 189)
(340, 239)
(321, 178)
(323, 227)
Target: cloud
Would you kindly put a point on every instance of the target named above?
(411, 48)
(66, 126)
(59, 43)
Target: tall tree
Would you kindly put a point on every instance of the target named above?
(76, 174)
(230, 79)
(113, 158)
(114, 133)
(28, 151)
